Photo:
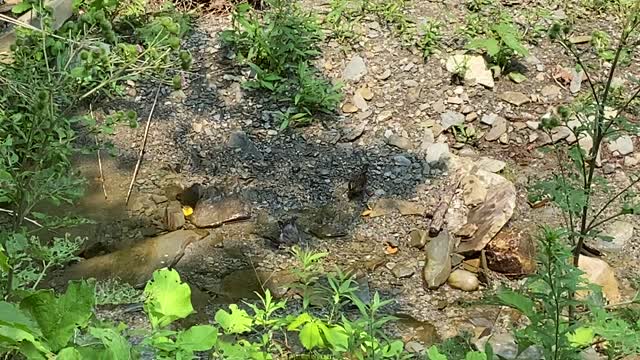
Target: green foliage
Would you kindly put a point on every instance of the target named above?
(429, 36)
(502, 44)
(115, 292)
(166, 299)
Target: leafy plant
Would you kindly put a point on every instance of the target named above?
(429, 36)
(501, 44)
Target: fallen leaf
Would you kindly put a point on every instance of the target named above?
(366, 212)
(390, 249)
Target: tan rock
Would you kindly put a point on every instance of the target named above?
(473, 191)
(512, 253)
(463, 280)
(598, 272)
(349, 108)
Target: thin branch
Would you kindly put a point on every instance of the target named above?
(610, 201)
(605, 220)
(24, 217)
(144, 143)
(104, 189)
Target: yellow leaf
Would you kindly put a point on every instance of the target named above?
(187, 210)
(366, 212)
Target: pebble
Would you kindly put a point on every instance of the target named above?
(403, 270)
(463, 280)
(401, 160)
(400, 142)
(385, 115)
(450, 119)
(622, 145)
(355, 69)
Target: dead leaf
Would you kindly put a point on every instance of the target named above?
(366, 212)
(390, 249)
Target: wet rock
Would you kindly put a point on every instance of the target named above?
(418, 238)
(473, 191)
(355, 69)
(328, 221)
(620, 233)
(437, 154)
(450, 118)
(622, 145)
(135, 265)
(497, 130)
(400, 142)
(515, 98)
(174, 217)
(598, 272)
(403, 270)
(214, 209)
(463, 280)
(240, 140)
(511, 253)
(438, 264)
(248, 283)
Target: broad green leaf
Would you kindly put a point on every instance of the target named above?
(508, 34)
(517, 78)
(299, 321)
(491, 46)
(167, 298)
(517, 301)
(310, 336)
(59, 317)
(393, 350)
(116, 346)
(476, 355)
(12, 337)
(434, 354)
(198, 338)
(11, 315)
(22, 7)
(71, 354)
(336, 336)
(236, 322)
(581, 337)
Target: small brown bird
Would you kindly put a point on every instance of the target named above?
(358, 183)
(191, 195)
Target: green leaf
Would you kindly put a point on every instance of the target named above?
(116, 346)
(516, 77)
(434, 354)
(60, 317)
(476, 355)
(581, 337)
(508, 34)
(70, 354)
(236, 322)
(299, 321)
(517, 301)
(336, 336)
(310, 336)
(491, 46)
(22, 7)
(198, 338)
(167, 298)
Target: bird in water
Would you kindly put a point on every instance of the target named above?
(358, 183)
(289, 233)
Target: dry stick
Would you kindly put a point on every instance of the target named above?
(104, 189)
(26, 218)
(144, 143)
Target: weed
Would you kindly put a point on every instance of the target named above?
(465, 134)
(502, 44)
(115, 292)
(429, 37)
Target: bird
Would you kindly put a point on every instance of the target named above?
(289, 233)
(191, 195)
(358, 183)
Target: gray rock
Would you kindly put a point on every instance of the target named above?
(437, 154)
(399, 142)
(576, 81)
(488, 119)
(515, 98)
(240, 140)
(355, 69)
(438, 265)
(403, 270)
(490, 165)
(418, 238)
(450, 119)
(499, 127)
(623, 145)
(620, 232)
(504, 347)
(174, 217)
(214, 209)
(353, 133)
(401, 160)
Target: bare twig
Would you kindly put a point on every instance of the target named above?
(104, 189)
(144, 143)
(26, 218)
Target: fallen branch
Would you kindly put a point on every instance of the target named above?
(144, 144)
(26, 218)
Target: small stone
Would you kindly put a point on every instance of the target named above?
(385, 75)
(349, 108)
(355, 69)
(472, 116)
(515, 98)
(418, 238)
(437, 154)
(400, 142)
(174, 217)
(512, 253)
(533, 125)
(598, 272)
(467, 109)
(438, 266)
(504, 139)
(438, 107)
(580, 39)
(385, 115)
(622, 145)
(197, 127)
(454, 100)
(463, 280)
(497, 130)
(366, 93)
(550, 91)
(620, 232)
(491, 165)
(414, 347)
(353, 133)
(403, 270)
(450, 119)
(576, 81)
(560, 133)
(411, 83)
(489, 119)
(401, 160)
(467, 230)
(360, 102)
